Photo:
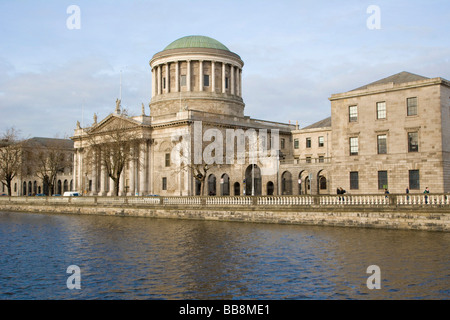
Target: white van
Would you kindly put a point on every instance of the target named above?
(71, 194)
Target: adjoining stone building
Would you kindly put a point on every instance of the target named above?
(393, 133)
(43, 159)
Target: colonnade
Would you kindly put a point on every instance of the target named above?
(230, 77)
(94, 179)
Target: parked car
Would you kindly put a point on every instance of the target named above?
(3, 195)
(56, 195)
(40, 195)
(72, 194)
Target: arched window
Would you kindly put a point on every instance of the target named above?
(322, 183)
(225, 185)
(237, 189)
(286, 183)
(270, 188)
(212, 185)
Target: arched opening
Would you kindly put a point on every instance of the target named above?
(225, 185)
(198, 188)
(253, 180)
(307, 186)
(212, 185)
(286, 183)
(270, 188)
(66, 186)
(71, 185)
(322, 182)
(24, 188)
(29, 188)
(35, 187)
(59, 187)
(237, 189)
(300, 191)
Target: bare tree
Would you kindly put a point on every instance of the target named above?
(113, 148)
(10, 157)
(50, 157)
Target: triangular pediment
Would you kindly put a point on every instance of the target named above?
(114, 122)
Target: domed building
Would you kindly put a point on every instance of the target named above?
(390, 134)
(196, 140)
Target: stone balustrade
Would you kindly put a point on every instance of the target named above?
(264, 201)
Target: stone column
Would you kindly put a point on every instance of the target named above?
(103, 190)
(188, 75)
(94, 175)
(153, 82)
(143, 168)
(232, 78)
(200, 75)
(122, 183)
(213, 76)
(74, 173)
(132, 170)
(159, 80)
(224, 88)
(238, 82)
(167, 78)
(177, 77)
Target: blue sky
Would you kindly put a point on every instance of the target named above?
(296, 53)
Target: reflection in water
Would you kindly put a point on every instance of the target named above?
(144, 258)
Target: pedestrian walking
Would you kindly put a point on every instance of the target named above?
(426, 192)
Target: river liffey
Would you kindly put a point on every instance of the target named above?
(146, 258)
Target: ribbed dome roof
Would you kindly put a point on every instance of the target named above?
(196, 42)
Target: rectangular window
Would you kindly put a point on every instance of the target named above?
(414, 180)
(296, 144)
(164, 183)
(164, 82)
(308, 159)
(167, 159)
(183, 80)
(382, 180)
(321, 142)
(413, 142)
(381, 110)
(206, 80)
(354, 180)
(283, 144)
(354, 146)
(382, 144)
(321, 159)
(308, 142)
(411, 106)
(226, 82)
(353, 113)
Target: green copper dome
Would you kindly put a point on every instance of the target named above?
(196, 42)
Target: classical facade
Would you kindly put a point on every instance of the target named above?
(196, 103)
(390, 134)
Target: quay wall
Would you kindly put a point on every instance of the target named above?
(379, 213)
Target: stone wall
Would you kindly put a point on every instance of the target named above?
(420, 217)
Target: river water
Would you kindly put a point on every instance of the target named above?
(145, 258)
